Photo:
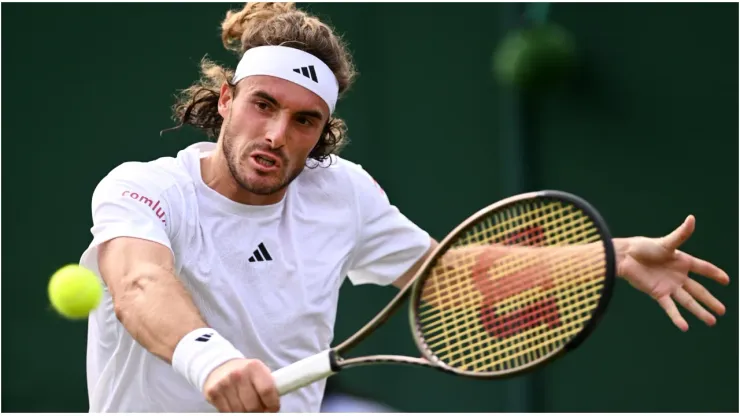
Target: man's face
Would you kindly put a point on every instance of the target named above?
(270, 126)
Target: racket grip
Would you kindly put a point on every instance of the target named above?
(304, 372)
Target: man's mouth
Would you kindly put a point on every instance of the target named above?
(264, 161)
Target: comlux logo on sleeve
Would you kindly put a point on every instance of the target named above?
(159, 211)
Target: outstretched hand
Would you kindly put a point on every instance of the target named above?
(656, 266)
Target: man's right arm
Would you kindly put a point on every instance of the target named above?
(134, 219)
(148, 298)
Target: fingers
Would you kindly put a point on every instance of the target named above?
(670, 308)
(673, 240)
(220, 403)
(244, 392)
(701, 294)
(688, 302)
(706, 269)
(231, 393)
(242, 386)
(222, 397)
(264, 385)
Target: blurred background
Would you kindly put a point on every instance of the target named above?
(645, 128)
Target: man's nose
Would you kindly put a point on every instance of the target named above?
(277, 131)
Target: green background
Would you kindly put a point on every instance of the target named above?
(648, 133)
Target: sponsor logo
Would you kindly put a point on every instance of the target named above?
(158, 211)
(261, 254)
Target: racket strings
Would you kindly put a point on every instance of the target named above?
(465, 320)
(586, 282)
(484, 311)
(508, 351)
(464, 267)
(434, 293)
(560, 277)
(526, 335)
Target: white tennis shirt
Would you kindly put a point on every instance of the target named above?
(267, 278)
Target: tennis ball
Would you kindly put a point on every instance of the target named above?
(74, 291)
(535, 58)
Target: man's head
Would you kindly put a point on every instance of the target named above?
(270, 127)
(267, 125)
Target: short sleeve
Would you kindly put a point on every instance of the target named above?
(388, 243)
(133, 200)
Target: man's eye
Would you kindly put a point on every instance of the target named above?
(262, 105)
(304, 121)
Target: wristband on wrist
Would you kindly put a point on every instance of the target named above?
(199, 353)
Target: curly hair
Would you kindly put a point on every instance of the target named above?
(261, 24)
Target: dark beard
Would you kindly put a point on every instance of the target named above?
(233, 161)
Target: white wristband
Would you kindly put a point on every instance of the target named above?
(199, 353)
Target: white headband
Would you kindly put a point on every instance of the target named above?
(293, 65)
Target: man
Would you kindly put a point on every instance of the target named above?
(224, 263)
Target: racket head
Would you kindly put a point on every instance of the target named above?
(500, 316)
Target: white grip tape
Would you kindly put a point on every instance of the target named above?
(303, 372)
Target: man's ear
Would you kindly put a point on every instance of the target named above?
(225, 99)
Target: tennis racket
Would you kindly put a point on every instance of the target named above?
(513, 287)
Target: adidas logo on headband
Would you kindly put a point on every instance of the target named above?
(305, 72)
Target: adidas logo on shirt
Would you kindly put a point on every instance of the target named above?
(308, 72)
(261, 254)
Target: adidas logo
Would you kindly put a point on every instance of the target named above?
(260, 254)
(308, 72)
(204, 337)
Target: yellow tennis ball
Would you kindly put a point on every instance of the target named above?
(74, 291)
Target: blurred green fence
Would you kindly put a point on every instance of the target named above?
(648, 134)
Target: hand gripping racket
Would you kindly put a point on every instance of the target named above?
(513, 287)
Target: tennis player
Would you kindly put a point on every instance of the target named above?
(225, 262)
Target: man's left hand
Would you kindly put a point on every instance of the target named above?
(656, 267)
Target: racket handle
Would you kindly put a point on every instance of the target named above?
(304, 372)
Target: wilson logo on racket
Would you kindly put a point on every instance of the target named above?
(497, 290)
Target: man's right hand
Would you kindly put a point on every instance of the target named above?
(242, 385)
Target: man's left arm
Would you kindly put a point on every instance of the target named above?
(654, 266)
